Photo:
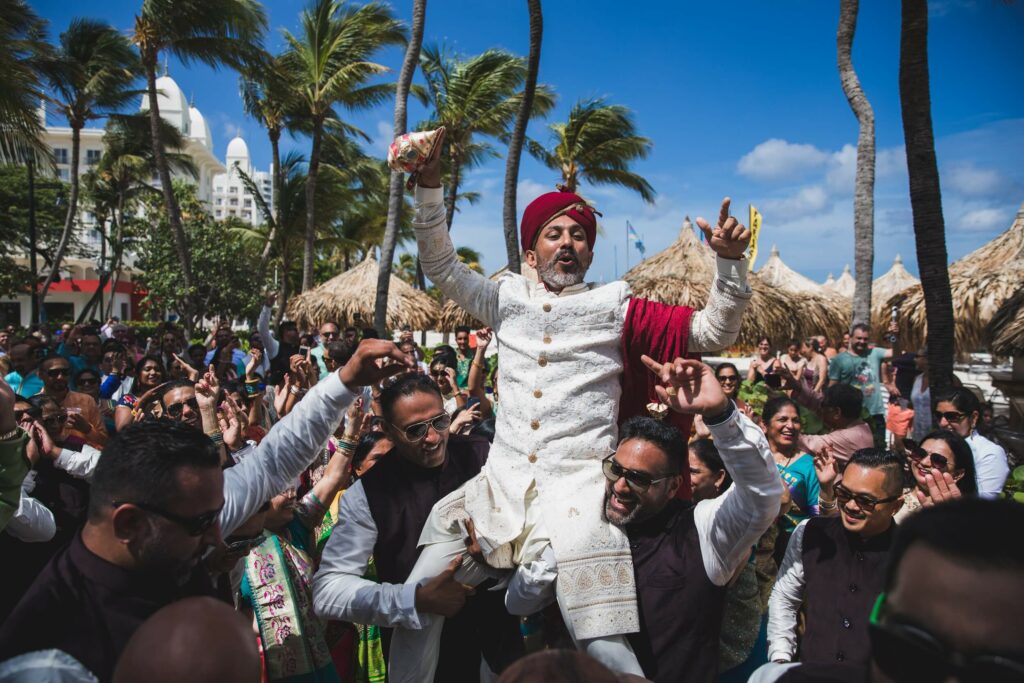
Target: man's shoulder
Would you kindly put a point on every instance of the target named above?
(48, 603)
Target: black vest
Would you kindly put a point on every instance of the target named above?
(680, 608)
(400, 495)
(844, 575)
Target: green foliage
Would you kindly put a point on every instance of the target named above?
(24, 56)
(221, 264)
(51, 205)
(1014, 488)
(754, 395)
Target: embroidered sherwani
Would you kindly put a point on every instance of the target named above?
(560, 383)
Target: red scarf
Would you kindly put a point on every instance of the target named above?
(661, 332)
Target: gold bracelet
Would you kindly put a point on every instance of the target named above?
(482, 367)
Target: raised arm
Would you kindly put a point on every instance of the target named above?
(717, 326)
(476, 383)
(270, 345)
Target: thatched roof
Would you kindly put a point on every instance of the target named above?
(829, 282)
(980, 282)
(682, 275)
(1006, 331)
(453, 315)
(843, 285)
(349, 299)
(777, 274)
(892, 283)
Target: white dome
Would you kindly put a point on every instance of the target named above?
(237, 149)
(172, 104)
(200, 131)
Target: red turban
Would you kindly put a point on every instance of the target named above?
(550, 206)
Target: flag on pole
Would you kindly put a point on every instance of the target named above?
(635, 238)
(755, 230)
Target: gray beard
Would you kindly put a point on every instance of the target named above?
(550, 275)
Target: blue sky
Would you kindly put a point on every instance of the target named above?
(740, 99)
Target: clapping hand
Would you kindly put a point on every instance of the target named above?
(942, 488)
(255, 360)
(825, 468)
(232, 421)
(281, 392)
(728, 239)
(692, 386)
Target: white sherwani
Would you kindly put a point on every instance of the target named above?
(560, 382)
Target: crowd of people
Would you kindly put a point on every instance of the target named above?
(326, 505)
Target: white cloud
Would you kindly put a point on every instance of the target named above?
(777, 159)
(969, 180)
(842, 166)
(984, 219)
(807, 201)
(385, 134)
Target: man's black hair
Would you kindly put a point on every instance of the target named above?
(846, 397)
(667, 438)
(406, 385)
(113, 346)
(341, 351)
(972, 531)
(366, 444)
(864, 327)
(167, 387)
(50, 360)
(140, 462)
(484, 428)
(284, 326)
(370, 333)
(84, 371)
(462, 328)
(894, 466)
(40, 400)
(234, 386)
(964, 400)
(201, 347)
(708, 454)
(445, 354)
(350, 329)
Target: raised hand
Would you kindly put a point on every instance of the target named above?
(483, 337)
(207, 391)
(825, 468)
(729, 238)
(255, 360)
(188, 369)
(465, 420)
(232, 421)
(430, 173)
(692, 386)
(942, 488)
(363, 370)
(281, 392)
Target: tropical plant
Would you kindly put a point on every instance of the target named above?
(328, 65)
(24, 56)
(396, 187)
(50, 200)
(864, 187)
(471, 257)
(224, 32)
(405, 268)
(470, 97)
(925, 194)
(510, 214)
(90, 77)
(596, 144)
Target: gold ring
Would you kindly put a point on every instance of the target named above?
(671, 391)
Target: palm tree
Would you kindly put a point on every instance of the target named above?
(24, 56)
(328, 64)
(596, 144)
(214, 33)
(474, 96)
(406, 268)
(266, 97)
(471, 257)
(515, 144)
(91, 77)
(925, 194)
(396, 188)
(864, 189)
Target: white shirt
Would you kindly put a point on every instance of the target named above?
(33, 522)
(339, 589)
(727, 526)
(991, 468)
(270, 345)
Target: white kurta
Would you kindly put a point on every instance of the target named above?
(560, 383)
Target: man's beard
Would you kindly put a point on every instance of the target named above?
(615, 518)
(153, 557)
(550, 275)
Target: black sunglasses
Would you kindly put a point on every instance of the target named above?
(193, 526)
(176, 410)
(58, 372)
(728, 378)
(638, 481)
(418, 430)
(951, 418)
(242, 544)
(866, 503)
(56, 419)
(917, 454)
(906, 652)
(87, 380)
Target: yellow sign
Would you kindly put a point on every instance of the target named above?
(755, 230)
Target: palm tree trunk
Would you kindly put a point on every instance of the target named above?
(515, 145)
(925, 193)
(396, 190)
(275, 171)
(69, 220)
(456, 172)
(173, 213)
(864, 188)
(314, 168)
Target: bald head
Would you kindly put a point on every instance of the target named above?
(201, 640)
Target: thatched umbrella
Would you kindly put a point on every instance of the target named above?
(682, 275)
(843, 285)
(1006, 331)
(980, 282)
(776, 273)
(349, 299)
(829, 282)
(453, 315)
(891, 284)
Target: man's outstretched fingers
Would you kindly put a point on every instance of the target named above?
(723, 213)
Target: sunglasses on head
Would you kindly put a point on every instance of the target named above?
(638, 481)
(193, 526)
(58, 372)
(177, 409)
(866, 503)
(418, 430)
(906, 652)
(917, 454)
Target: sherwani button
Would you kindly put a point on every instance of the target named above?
(532, 458)
(537, 393)
(547, 308)
(542, 361)
(547, 339)
(534, 425)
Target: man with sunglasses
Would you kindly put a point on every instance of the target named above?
(84, 417)
(159, 501)
(23, 377)
(327, 333)
(833, 566)
(684, 555)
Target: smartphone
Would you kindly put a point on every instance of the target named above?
(303, 350)
(772, 380)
